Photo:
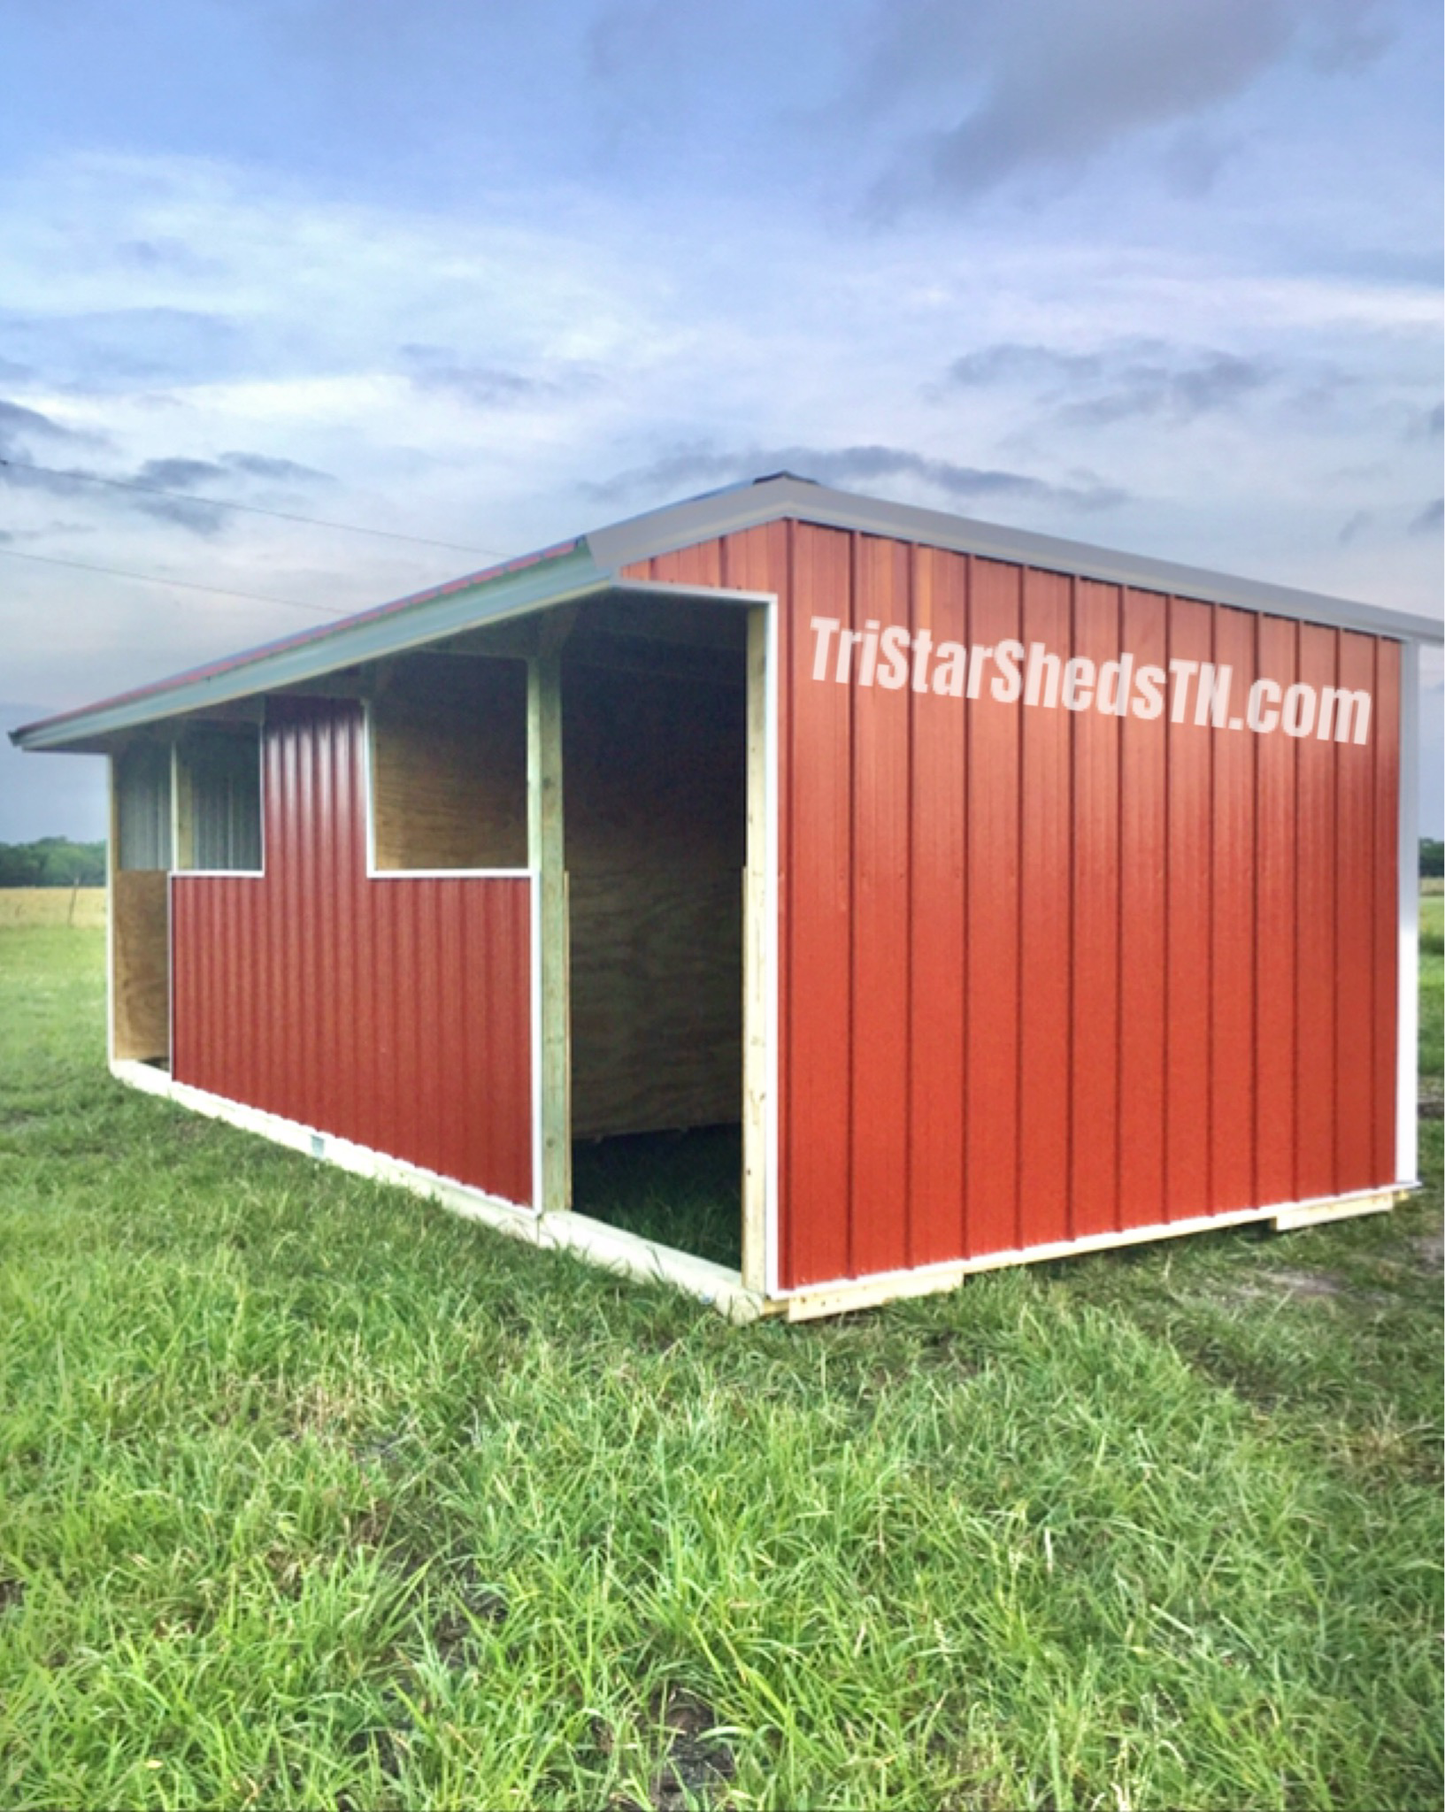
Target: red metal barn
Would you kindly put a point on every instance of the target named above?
(1016, 898)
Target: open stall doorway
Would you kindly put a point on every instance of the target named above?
(656, 751)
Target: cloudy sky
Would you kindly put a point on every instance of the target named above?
(1166, 277)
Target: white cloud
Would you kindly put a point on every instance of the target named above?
(631, 332)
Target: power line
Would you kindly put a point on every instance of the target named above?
(254, 509)
(217, 591)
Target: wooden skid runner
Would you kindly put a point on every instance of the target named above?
(871, 1292)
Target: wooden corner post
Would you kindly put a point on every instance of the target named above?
(112, 863)
(546, 859)
(755, 943)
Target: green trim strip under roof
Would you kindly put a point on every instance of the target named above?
(368, 637)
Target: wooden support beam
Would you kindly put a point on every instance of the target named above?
(183, 821)
(755, 945)
(545, 857)
(112, 862)
(555, 626)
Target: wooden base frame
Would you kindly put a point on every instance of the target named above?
(610, 1247)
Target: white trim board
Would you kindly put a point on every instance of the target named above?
(112, 856)
(368, 789)
(1407, 945)
(772, 1201)
(611, 1248)
(534, 1032)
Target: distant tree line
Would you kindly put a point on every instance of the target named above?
(1432, 856)
(52, 862)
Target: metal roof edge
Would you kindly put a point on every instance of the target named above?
(369, 636)
(749, 506)
(596, 560)
(723, 512)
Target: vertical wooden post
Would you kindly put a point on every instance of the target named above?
(183, 836)
(755, 921)
(546, 858)
(112, 862)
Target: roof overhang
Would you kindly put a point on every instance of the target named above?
(594, 564)
(750, 506)
(486, 598)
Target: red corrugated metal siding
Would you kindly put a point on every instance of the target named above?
(815, 936)
(394, 1013)
(1143, 930)
(1046, 973)
(1354, 936)
(936, 971)
(1277, 930)
(1232, 939)
(878, 1128)
(1046, 929)
(989, 804)
(1315, 1070)
(1094, 1062)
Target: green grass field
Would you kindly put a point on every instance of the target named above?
(312, 1495)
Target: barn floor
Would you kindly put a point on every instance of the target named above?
(683, 1189)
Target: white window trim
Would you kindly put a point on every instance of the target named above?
(373, 873)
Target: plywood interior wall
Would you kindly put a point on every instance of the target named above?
(140, 946)
(449, 765)
(654, 782)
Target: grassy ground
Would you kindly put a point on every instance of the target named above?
(684, 1189)
(311, 1495)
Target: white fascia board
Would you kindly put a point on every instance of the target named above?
(1407, 1011)
(369, 637)
(749, 506)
